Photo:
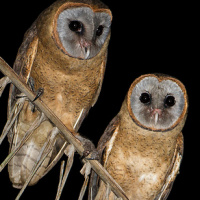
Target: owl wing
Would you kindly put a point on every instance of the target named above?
(173, 170)
(23, 65)
(24, 60)
(85, 111)
(102, 72)
(103, 144)
(107, 135)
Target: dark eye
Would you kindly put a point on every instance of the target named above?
(76, 26)
(169, 101)
(145, 98)
(99, 30)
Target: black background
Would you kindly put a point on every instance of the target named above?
(146, 38)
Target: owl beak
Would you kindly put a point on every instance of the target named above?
(156, 113)
(156, 118)
(87, 52)
(85, 49)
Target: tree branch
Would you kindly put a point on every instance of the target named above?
(97, 167)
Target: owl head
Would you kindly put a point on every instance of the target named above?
(157, 102)
(78, 28)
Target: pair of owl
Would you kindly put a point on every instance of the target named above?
(65, 52)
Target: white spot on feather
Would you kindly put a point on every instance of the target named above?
(150, 177)
(59, 97)
(110, 143)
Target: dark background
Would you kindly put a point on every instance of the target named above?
(146, 38)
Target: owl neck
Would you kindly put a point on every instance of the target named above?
(50, 55)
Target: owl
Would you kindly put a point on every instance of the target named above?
(142, 147)
(62, 58)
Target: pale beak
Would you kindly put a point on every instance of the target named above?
(87, 52)
(156, 112)
(156, 118)
(85, 48)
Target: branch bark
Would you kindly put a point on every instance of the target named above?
(97, 167)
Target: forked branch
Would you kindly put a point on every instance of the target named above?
(96, 166)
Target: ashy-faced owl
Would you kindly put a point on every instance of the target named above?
(142, 146)
(64, 53)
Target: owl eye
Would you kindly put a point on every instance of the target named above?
(145, 98)
(169, 101)
(76, 26)
(99, 30)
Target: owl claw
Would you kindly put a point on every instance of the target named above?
(39, 92)
(91, 155)
(90, 152)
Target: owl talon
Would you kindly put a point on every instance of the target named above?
(31, 83)
(90, 152)
(39, 93)
(91, 155)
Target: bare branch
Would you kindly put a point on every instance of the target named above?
(97, 167)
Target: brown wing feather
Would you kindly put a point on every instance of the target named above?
(105, 138)
(102, 72)
(173, 170)
(23, 65)
(24, 60)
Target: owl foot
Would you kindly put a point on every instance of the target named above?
(39, 93)
(90, 152)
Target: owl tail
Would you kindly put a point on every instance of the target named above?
(27, 135)
(45, 151)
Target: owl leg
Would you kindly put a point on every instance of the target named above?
(3, 83)
(86, 170)
(70, 153)
(12, 117)
(27, 135)
(46, 149)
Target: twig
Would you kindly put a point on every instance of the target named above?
(97, 167)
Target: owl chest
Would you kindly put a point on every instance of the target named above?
(71, 83)
(140, 170)
(66, 92)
